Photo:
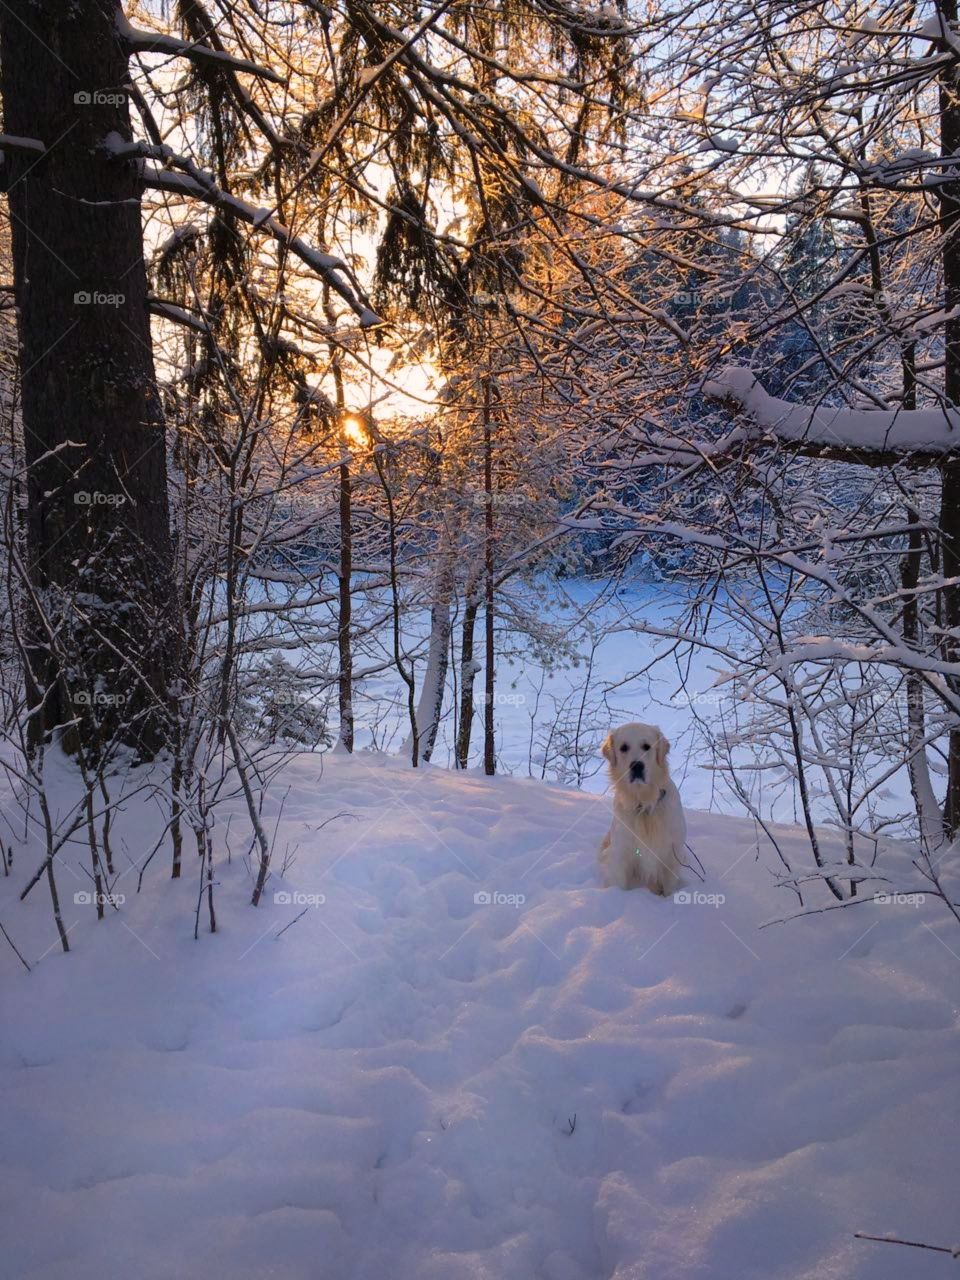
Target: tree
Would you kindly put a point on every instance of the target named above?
(98, 566)
(273, 161)
(98, 552)
(838, 131)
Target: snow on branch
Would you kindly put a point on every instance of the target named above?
(871, 434)
(184, 178)
(179, 315)
(137, 41)
(24, 146)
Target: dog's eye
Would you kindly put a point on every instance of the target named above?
(646, 746)
(624, 746)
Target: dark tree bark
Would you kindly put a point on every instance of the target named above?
(345, 608)
(489, 744)
(345, 575)
(950, 472)
(468, 671)
(98, 541)
(405, 673)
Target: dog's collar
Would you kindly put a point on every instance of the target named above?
(649, 808)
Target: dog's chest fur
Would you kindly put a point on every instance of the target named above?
(648, 824)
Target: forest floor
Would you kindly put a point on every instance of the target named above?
(466, 1060)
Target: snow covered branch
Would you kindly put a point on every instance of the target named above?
(184, 178)
(179, 315)
(871, 436)
(137, 41)
(23, 146)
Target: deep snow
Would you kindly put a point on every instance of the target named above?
(410, 1082)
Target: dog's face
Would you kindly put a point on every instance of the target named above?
(637, 756)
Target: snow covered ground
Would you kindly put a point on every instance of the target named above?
(467, 1061)
(682, 693)
(533, 699)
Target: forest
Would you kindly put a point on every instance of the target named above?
(397, 397)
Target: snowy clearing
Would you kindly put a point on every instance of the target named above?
(563, 1083)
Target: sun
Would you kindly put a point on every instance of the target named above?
(354, 429)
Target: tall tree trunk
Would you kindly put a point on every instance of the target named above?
(468, 670)
(98, 542)
(345, 611)
(344, 585)
(430, 703)
(489, 744)
(950, 494)
(434, 684)
(929, 816)
(405, 673)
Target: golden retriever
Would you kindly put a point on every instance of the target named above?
(643, 846)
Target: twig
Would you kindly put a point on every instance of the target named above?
(343, 814)
(293, 921)
(953, 1250)
(816, 911)
(699, 870)
(10, 940)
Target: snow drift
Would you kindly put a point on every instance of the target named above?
(441, 1051)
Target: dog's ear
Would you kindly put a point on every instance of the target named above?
(607, 749)
(663, 746)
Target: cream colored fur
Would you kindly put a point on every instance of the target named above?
(645, 842)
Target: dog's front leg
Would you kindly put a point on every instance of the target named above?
(667, 876)
(603, 858)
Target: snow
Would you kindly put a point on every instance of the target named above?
(932, 430)
(185, 179)
(936, 27)
(30, 146)
(724, 142)
(138, 41)
(179, 315)
(181, 235)
(539, 728)
(567, 1082)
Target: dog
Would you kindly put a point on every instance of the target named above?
(643, 846)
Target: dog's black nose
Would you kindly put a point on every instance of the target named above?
(637, 771)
